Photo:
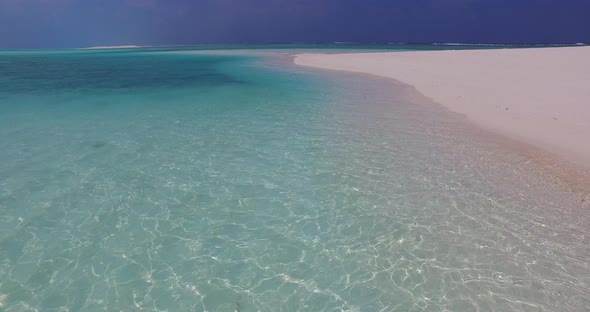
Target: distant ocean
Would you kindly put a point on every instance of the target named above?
(156, 179)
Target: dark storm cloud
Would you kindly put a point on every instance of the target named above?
(73, 23)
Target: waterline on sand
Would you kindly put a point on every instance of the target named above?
(537, 96)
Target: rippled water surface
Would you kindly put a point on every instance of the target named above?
(162, 182)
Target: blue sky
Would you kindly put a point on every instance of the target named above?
(79, 23)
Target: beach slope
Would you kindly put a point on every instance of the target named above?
(539, 96)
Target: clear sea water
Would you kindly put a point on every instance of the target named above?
(158, 181)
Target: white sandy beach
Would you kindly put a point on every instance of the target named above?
(539, 96)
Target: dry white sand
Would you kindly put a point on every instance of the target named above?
(540, 96)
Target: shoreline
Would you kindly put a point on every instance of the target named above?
(536, 96)
(565, 154)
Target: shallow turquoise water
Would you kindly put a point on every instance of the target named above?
(175, 182)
